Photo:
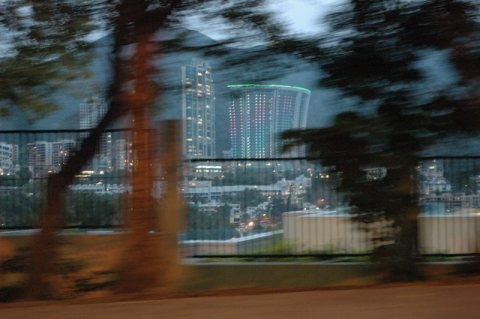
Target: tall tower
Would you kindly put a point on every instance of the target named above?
(91, 112)
(39, 158)
(258, 113)
(198, 110)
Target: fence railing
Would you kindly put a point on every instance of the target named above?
(237, 207)
(27, 158)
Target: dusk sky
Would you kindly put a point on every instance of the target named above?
(303, 16)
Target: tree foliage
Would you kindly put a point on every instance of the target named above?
(45, 48)
(371, 55)
(18, 209)
(90, 209)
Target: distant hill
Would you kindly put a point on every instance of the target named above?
(233, 65)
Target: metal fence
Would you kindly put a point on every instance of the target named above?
(241, 207)
(27, 158)
(285, 207)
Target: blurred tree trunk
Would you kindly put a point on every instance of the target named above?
(44, 248)
(51, 214)
(132, 25)
(405, 224)
(139, 268)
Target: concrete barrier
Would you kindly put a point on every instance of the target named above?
(331, 232)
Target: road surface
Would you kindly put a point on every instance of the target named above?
(409, 302)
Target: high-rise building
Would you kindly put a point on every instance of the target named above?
(123, 155)
(431, 178)
(198, 111)
(16, 154)
(39, 158)
(48, 157)
(259, 112)
(7, 157)
(91, 112)
(61, 150)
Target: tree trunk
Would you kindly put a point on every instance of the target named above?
(403, 265)
(44, 245)
(139, 269)
(44, 249)
(134, 23)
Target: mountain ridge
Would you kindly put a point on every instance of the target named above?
(230, 65)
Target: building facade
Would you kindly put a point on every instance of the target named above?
(123, 155)
(8, 153)
(198, 111)
(91, 112)
(61, 150)
(39, 158)
(431, 178)
(45, 157)
(258, 113)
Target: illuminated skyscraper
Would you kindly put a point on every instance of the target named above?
(123, 155)
(91, 112)
(198, 111)
(259, 112)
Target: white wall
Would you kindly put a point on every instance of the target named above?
(316, 232)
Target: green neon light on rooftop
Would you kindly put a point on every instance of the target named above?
(269, 86)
